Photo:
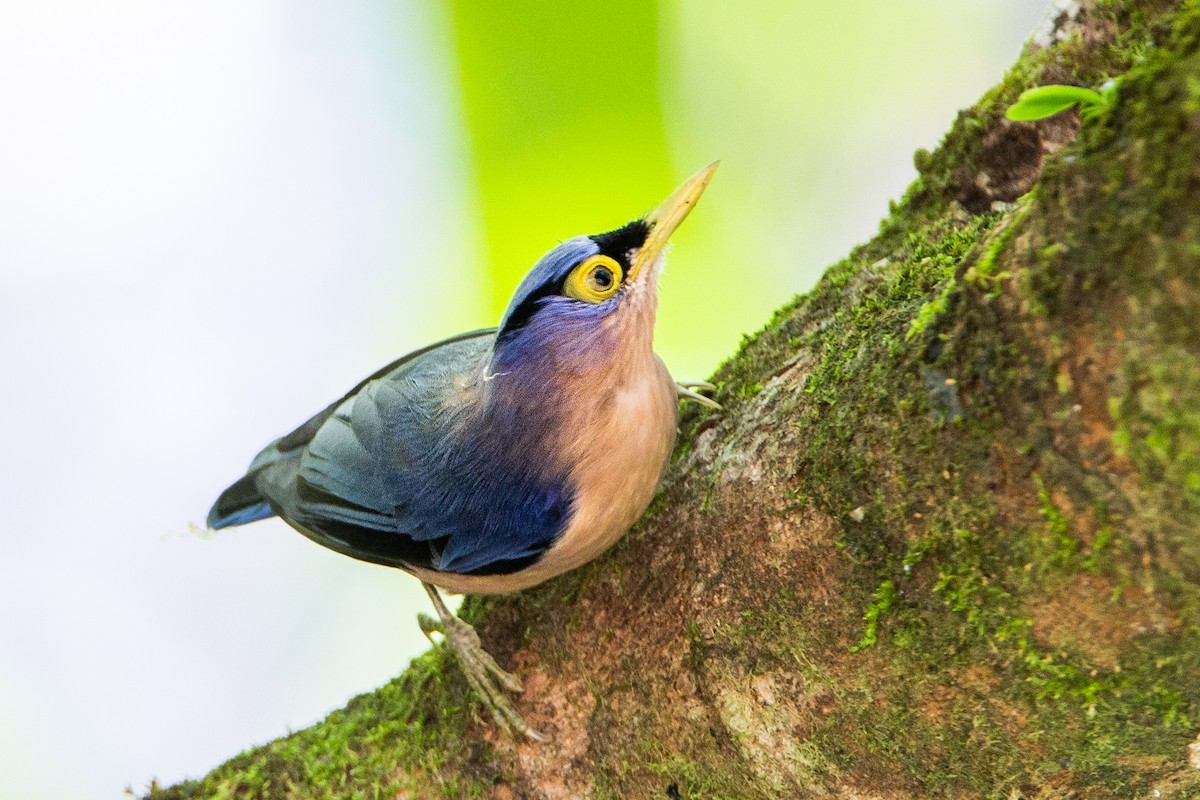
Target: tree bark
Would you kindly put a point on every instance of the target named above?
(943, 540)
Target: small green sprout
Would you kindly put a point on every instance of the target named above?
(1045, 101)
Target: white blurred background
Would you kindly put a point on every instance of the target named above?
(216, 217)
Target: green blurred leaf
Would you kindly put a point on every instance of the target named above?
(1045, 101)
(564, 122)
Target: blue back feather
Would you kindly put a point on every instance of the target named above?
(395, 463)
(389, 463)
(394, 474)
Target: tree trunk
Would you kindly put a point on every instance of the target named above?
(943, 540)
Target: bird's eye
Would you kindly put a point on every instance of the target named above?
(595, 280)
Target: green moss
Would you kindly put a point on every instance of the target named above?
(931, 310)
(409, 734)
(693, 780)
(885, 599)
(1098, 559)
(986, 271)
(1057, 546)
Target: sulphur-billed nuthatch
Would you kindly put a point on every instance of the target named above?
(496, 459)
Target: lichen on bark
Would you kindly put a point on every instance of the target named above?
(944, 539)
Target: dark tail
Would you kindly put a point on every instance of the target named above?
(240, 504)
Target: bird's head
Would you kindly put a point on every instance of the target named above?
(590, 302)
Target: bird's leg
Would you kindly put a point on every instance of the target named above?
(481, 670)
(684, 390)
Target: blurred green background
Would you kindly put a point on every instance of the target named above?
(578, 118)
(218, 216)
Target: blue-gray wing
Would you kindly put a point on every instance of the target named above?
(246, 501)
(391, 473)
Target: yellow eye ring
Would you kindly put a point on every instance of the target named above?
(595, 280)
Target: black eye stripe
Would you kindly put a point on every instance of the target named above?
(617, 244)
(525, 311)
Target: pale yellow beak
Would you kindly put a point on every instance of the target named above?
(669, 215)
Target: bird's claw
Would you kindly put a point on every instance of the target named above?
(684, 390)
(485, 677)
(464, 641)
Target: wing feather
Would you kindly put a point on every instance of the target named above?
(383, 475)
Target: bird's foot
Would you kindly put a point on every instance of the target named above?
(487, 678)
(685, 389)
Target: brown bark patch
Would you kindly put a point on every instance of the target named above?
(1086, 615)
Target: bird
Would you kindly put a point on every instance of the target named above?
(496, 459)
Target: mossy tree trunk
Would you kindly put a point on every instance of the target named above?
(944, 539)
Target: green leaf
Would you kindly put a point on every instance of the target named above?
(1044, 101)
